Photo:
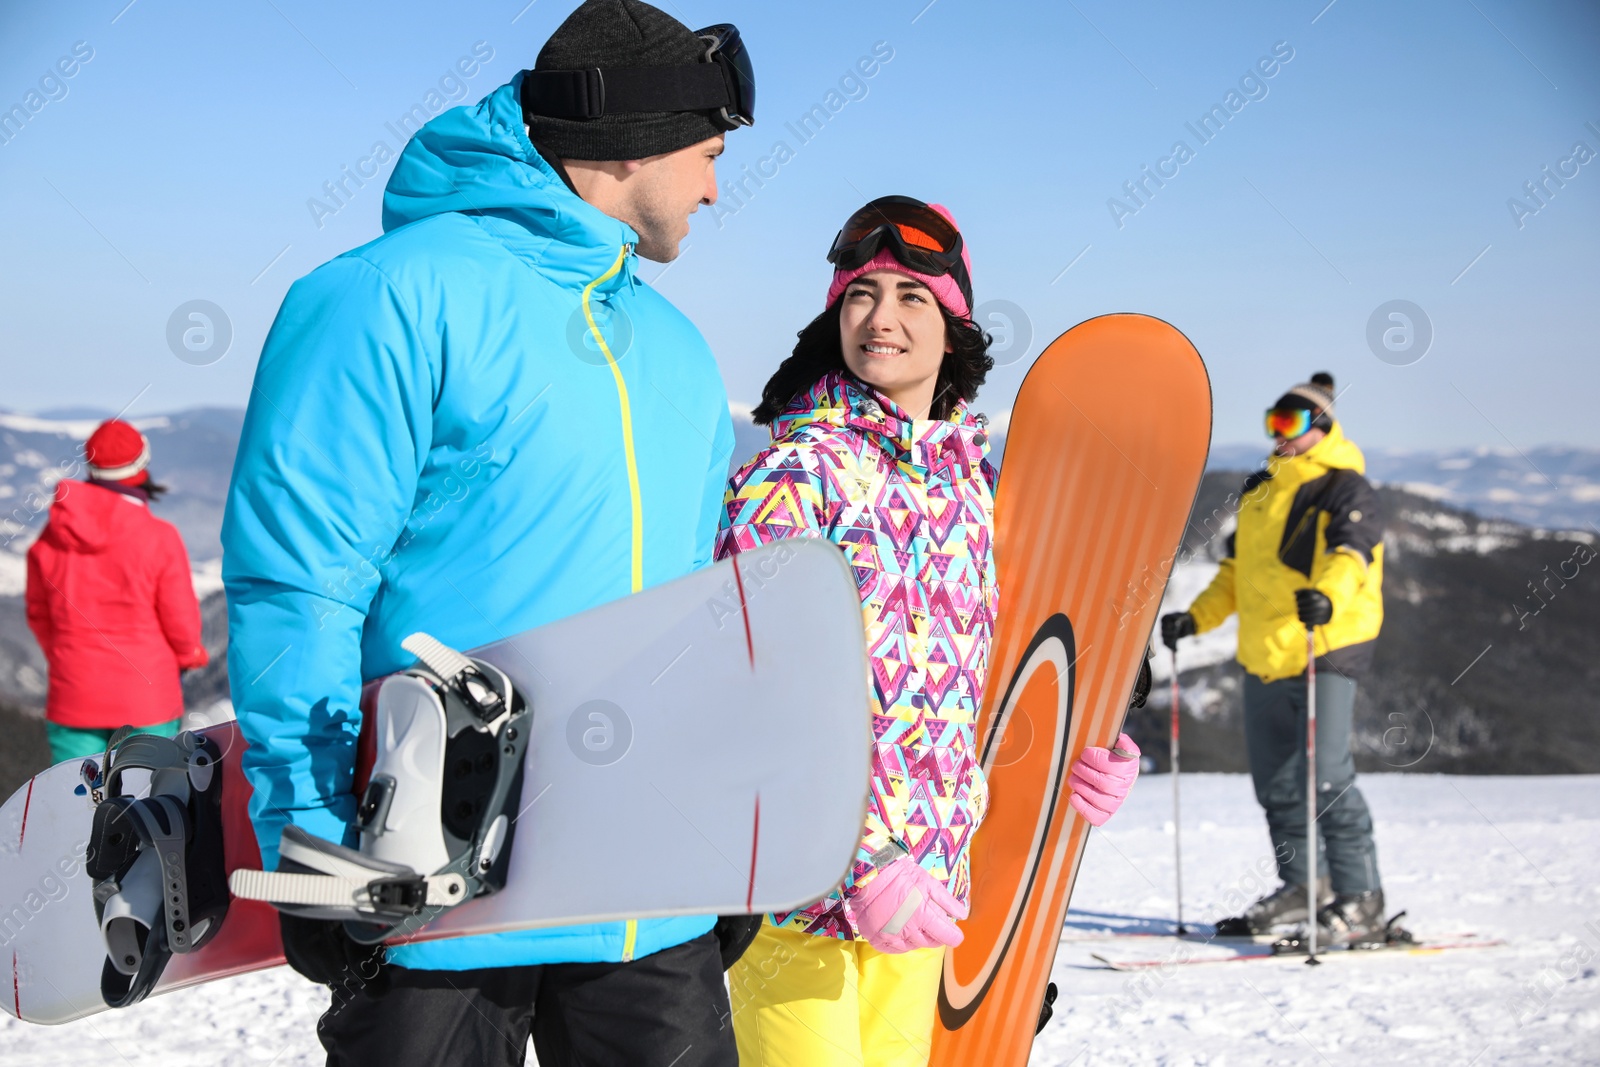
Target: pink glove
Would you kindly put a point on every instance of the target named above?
(904, 907)
(1100, 780)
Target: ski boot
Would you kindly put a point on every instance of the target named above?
(1283, 906)
(1353, 921)
(1356, 920)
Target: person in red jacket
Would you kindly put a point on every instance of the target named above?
(111, 602)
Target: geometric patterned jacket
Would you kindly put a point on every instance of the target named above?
(912, 506)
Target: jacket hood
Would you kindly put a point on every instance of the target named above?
(844, 402)
(478, 160)
(1334, 452)
(87, 517)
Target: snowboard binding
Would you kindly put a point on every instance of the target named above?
(428, 841)
(156, 861)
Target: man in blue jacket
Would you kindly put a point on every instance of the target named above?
(478, 423)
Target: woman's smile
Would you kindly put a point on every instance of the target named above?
(883, 351)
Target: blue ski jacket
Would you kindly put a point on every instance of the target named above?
(438, 439)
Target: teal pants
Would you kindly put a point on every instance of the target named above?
(73, 742)
(1275, 736)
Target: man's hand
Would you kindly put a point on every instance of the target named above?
(1314, 607)
(321, 951)
(1177, 625)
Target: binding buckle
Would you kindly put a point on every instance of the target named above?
(398, 897)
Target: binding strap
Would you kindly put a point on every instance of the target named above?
(156, 861)
(344, 881)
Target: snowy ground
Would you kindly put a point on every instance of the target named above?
(1516, 858)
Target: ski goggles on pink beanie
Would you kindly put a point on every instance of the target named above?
(902, 234)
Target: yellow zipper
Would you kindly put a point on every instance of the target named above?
(630, 936)
(627, 422)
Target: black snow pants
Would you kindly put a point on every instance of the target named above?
(1275, 735)
(669, 1009)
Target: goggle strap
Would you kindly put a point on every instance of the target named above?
(594, 93)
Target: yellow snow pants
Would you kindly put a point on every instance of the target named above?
(800, 1000)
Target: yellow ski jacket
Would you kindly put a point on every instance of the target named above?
(1309, 520)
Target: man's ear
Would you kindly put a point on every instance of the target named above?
(632, 166)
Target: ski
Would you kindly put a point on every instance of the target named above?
(1247, 954)
(1084, 936)
(1089, 937)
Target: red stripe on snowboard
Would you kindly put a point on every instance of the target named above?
(755, 841)
(749, 644)
(27, 802)
(16, 987)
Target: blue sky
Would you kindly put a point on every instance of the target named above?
(1375, 164)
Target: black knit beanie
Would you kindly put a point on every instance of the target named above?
(620, 33)
(1315, 396)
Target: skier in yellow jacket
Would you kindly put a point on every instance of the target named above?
(1308, 552)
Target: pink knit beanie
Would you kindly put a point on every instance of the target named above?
(944, 288)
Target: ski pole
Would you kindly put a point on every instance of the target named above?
(1177, 820)
(1311, 789)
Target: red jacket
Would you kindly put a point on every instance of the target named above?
(113, 607)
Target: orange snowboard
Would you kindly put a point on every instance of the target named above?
(1103, 458)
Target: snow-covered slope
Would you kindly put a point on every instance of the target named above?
(1513, 858)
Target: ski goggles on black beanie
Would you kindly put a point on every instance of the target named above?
(620, 79)
(1314, 397)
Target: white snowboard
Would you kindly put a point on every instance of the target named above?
(700, 747)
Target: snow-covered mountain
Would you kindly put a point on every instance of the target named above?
(1550, 486)
(192, 456)
(1487, 661)
(1455, 581)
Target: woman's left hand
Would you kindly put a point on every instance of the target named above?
(1101, 778)
(903, 907)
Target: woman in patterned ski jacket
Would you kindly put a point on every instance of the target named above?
(875, 448)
